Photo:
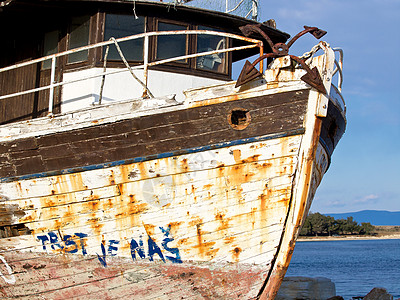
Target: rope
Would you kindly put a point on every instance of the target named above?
(129, 68)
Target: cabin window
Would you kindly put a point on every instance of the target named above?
(50, 46)
(214, 62)
(78, 37)
(169, 46)
(118, 26)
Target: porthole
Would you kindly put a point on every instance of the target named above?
(239, 118)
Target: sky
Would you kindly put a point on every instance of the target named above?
(365, 169)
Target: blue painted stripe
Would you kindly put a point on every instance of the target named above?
(154, 156)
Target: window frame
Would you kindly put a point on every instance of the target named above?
(117, 62)
(154, 43)
(228, 63)
(91, 39)
(96, 59)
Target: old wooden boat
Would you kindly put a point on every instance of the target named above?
(131, 165)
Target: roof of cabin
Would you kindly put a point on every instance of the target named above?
(228, 22)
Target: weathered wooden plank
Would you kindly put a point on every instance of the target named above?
(85, 147)
(126, 278)
(113, 204)
(93, 179)
(72, 265)
(171, 184)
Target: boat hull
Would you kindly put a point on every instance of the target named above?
(174, 202)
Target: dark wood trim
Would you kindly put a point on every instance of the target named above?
(97, 30)
(152, 135)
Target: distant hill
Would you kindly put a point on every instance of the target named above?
(375, 217)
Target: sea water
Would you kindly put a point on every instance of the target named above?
(356, 266)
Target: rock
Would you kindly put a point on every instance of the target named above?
(297, 287)
(378, 294)
(335, 298)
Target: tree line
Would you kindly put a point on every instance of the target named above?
(317, 224)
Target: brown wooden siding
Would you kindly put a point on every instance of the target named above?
(151, 135)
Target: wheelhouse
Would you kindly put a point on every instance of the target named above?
(58, 26)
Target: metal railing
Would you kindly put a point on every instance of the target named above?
(339, 71)
(338, 62)
(339, 67)
(145, 66)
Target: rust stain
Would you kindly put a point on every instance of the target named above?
(223, 99)
(32, 217)
(96, 225)
(108, 204)
(48, 202)
(223, 221)
(149, 229)
(57, 225)
(184, 165)
(229, 240)
(124, 173)
(76, 182)
(263, 204)
(143, 170)
(237, 155)
(69, 212)
(182, 242)
(93, 204)
(235, 253)
(267, 165)
(135, 208)
(111, 178)
(19, 187)
(207, 186)
(121, 188)
(204, 248)
(174, 227)
(125, 245)
(272, 85)
(195, 221)
(236, 175)
(252, 158)
(193, 189)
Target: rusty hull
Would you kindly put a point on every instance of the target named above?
(210, 223)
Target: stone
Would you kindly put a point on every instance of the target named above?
(297, 287)
(378, 294)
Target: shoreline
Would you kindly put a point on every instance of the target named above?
(348, 238)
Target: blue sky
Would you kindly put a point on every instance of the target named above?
(365, 170)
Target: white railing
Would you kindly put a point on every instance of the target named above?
(253, 43)
(338, 88)
(339, 68)
(336, 94)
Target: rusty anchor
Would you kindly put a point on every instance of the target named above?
(249, 72)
